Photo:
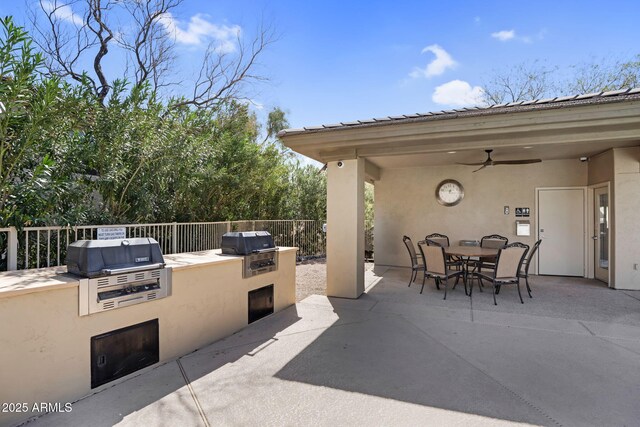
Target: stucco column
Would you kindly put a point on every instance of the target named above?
(345, 228)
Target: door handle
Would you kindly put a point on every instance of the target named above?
(594, 237)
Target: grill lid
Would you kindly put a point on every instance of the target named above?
(247, 242)
(95, 258)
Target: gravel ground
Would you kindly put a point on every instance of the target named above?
(311, 277)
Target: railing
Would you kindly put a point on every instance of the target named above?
(8, 249)
(36, 247)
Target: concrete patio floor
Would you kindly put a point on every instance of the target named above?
(569, 356)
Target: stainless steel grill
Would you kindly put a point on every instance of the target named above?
(118, 273)
(260, 254)
(259, 263)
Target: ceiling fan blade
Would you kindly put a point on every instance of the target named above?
(480, 168)
(516, 162)
(471, 164)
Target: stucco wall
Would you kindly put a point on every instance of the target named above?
(601, 168)
(345, 236)
(45, 345)
(405, 202)
(626, 210)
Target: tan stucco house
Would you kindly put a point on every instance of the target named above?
(583, 198)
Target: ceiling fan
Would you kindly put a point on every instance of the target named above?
(491, 162)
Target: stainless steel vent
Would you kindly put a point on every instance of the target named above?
(111, 292)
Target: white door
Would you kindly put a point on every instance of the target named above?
(601, 233)
(561, 226)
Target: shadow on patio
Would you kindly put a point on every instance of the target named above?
(567, 356)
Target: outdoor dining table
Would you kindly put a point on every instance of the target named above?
(467, 252)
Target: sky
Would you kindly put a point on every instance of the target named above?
(338, 61)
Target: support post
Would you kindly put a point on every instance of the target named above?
(345, 228)
(174, 240)
(12, 249)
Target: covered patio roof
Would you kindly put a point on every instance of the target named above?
(407, 156)
(549, 129)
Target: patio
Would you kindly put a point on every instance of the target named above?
(566, 357)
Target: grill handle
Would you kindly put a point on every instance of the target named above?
(113, 271)
(264, 251)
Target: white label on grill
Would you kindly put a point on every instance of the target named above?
(142, 259)
(112, 233)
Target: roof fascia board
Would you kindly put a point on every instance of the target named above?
(478, 127)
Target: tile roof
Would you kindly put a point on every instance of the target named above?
(511, 107)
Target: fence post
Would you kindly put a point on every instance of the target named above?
(295, 236)
(174, 240)
(228, 226)
(12, 249)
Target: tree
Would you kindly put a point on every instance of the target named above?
(529, 81)
(521, 82)
(276, 121)
(76, 32)
(308, 193)
(604, 75)
(37, 142)
(67, 157)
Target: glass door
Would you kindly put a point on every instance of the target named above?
(601, 233)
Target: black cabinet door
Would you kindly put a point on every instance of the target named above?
(118, 353)
(260, 303)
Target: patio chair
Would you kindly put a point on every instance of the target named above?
(494, 241)
(415, 265)
(524, 273)
(441, 239)
(434, 260)
(508, 266)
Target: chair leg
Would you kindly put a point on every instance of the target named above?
(456, 283)
(446, 282)
(464, 282)
(424, 277)
(494, 295)
(519, 294)
(526, 280)
(437, 280)
(414, 273)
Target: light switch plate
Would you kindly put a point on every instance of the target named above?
(506, 210)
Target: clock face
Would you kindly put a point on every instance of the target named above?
(449, 192)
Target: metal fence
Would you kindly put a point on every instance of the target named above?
(36, 247)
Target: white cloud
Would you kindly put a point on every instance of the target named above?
(439, 65)
(458, 93)
(504, 35)
(199, 31)
(62, 11)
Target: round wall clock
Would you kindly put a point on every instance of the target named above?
(449, 192)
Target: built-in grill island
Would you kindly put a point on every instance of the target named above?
(209, 301)
(259, 256)
(118, 273)
(259, 253)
